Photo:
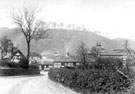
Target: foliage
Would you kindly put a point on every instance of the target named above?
(24, 63)
(95, 50)
(18, 71)
(33, 66)
(6, 63)
(105, 75)
(6, 45)
(82, 54)
(108, 64)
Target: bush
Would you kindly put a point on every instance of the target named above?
(24, 63)
(103, 77)
(14, 69)
(6, 63)
(33, 66)
(108, 64)
(90, 80)
(18, 71)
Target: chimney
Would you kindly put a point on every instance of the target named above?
(67, 54)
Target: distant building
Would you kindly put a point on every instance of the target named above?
(64, 61)
(57, 60)
(45, 63)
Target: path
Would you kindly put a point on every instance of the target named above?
(31, 85)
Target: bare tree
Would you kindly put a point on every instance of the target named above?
(82, 52)
(27, 23)
(129, 53)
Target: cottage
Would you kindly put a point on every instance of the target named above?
(16, 56)
(63, 61)
(45, 63)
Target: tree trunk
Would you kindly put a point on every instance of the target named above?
(28, 50)
(28, 53)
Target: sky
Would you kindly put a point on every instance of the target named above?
(113, 18)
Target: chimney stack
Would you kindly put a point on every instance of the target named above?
(67, 54)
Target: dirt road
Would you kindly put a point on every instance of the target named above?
(31, 85)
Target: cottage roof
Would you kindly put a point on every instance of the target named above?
(16, 53)
(64, 59)
(46, 61)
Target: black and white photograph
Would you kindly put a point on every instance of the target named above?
(67, 46)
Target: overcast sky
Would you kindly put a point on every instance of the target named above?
(113, 18)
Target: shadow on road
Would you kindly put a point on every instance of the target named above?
(24, 76)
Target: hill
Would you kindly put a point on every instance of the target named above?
(63, 40)
(121, 41)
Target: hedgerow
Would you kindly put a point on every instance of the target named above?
(105, 76)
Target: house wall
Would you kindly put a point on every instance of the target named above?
(63, 64)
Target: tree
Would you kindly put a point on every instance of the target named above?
(82, 53)
(96, 50)
(27, 23)
(130, 53)
(6, 45)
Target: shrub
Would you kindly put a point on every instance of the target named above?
(18, 71)
(107, 64)
(3, 63)
(54, 74)
(24, 63)
(6, 63)
(33, 66)
(103, 77)
(90, 80)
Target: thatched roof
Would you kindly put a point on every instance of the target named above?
(17, 51)
(64, 59)
(46, 61)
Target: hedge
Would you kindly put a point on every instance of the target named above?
(12, 69)
(23, 63)
(90, 80)
(18, 71)
(102, 77)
